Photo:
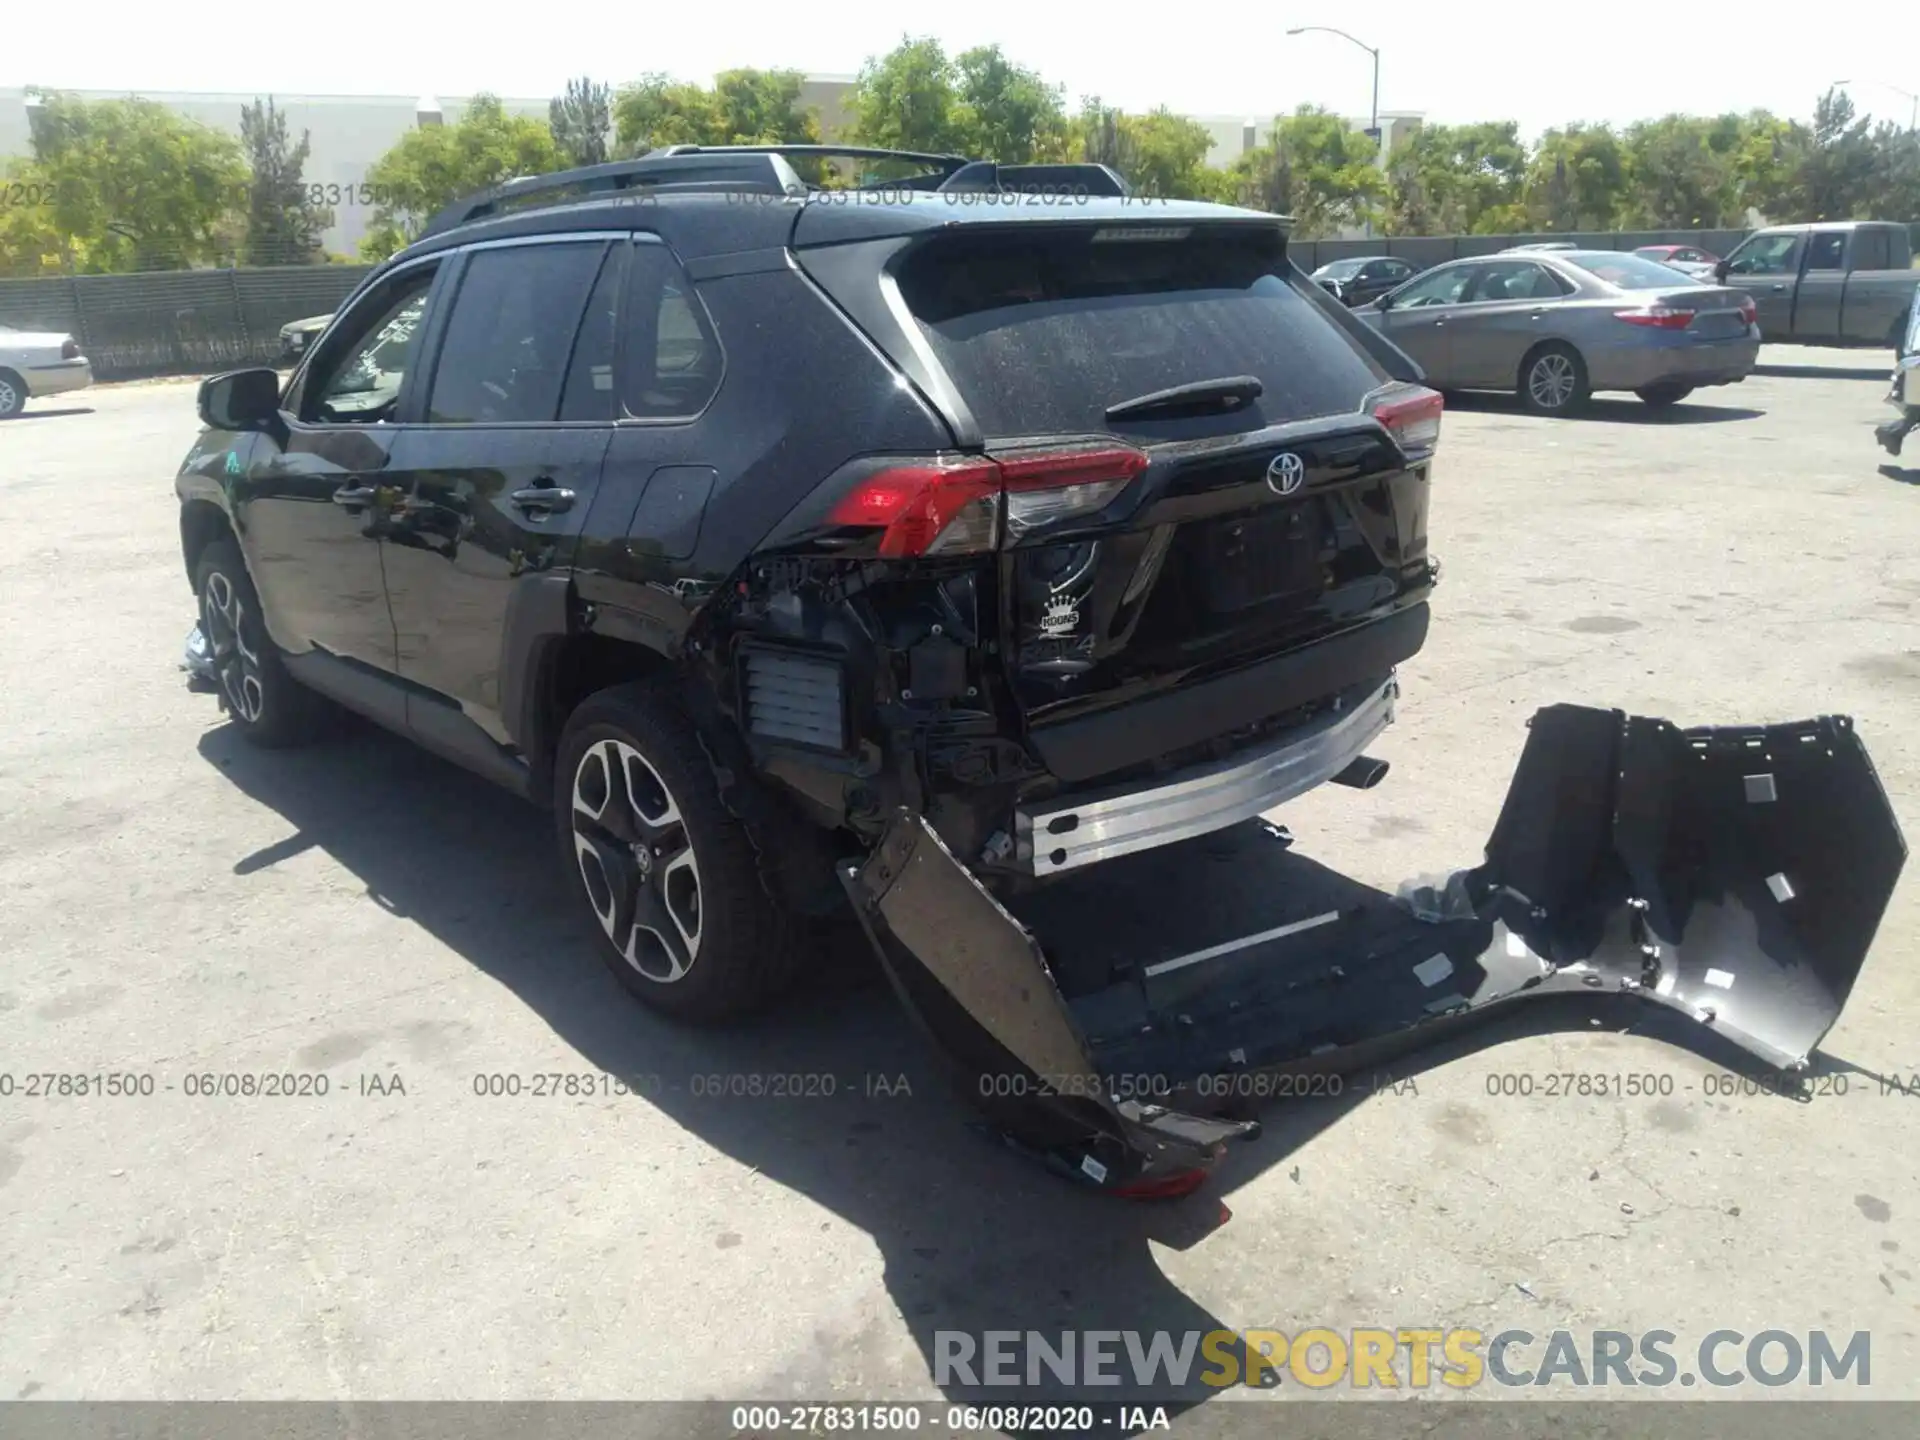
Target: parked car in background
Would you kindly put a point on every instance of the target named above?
(34, 363)
(1555, 326)
(1689, 260)
(297, 336)
(1846, 283)
(1363, 278)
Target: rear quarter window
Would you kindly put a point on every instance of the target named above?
(1042, 331)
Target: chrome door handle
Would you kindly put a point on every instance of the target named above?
(543, 499)
(355, 497)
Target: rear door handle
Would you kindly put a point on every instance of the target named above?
(543, 499)
(355, 497)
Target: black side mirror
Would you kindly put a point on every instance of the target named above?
(240, 399)
(1385, 302)
(1721, 269)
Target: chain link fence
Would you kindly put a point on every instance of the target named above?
(163, 322)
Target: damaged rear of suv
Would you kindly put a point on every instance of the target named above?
(991, 559)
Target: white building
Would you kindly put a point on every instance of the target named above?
(348, 133)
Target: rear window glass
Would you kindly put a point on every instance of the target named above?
(1629, 272)
(1041, 332)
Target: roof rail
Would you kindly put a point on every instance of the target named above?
(947, 163)
(678, 168)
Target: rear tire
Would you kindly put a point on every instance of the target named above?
(1663, 397)
(13, 394)
(1553, 380)
(265, 703)
(667, 873)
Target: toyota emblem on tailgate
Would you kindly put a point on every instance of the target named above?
(1286, 473)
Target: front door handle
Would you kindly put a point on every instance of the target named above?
(1779, 289)
(356, 497)
(539, 500)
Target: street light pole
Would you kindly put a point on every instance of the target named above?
(1913, 117)
(1373, 115)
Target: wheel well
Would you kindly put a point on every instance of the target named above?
(575, 667)
(201, 523)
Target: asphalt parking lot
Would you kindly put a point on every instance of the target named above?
(175, 905)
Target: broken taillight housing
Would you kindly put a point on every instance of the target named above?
(1749, 313)
(1658, 317)
(1411, 414)
(69, 349)
(954, 505)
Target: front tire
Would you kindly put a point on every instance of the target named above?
(13, 395)
(266, 704)
(1663, 397)
(1553, 380)
(667, 873)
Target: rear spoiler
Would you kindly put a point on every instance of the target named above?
(1735, 875)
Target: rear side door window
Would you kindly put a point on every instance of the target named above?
(1872, 250)
(508, 342)
(673, 362)
(1828, 251)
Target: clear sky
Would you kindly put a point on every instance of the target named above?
(1540, 63)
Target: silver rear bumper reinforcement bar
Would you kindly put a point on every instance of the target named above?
(1071, 831)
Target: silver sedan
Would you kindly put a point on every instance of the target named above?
(1553, 326)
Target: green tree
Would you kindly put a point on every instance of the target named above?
(1834, 165)
(31, 243)
(1005, 112)
(1681, 176)
(282, 227)
(1162, 155)
(1455, 179)
(1577, 179)
(580, 121)
(429, 168)
(907, 99)
(744, 107)
(1315, 168)
(132, 186)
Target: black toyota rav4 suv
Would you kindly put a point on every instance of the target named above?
(937, 543)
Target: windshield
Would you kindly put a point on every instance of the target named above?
(1339, 270)
(1629, 272)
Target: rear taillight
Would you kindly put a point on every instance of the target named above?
(1749, 313)
(1162, 1187)
(1054, 484)
(1411, 414)
(933, 507)
(70, 349)
(954, 505)
(1658, 317)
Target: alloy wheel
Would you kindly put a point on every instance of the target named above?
(1552, 380)
(233, 635)
(9, 397)
(636, 860)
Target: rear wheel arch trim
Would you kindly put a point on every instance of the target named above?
(544, 623)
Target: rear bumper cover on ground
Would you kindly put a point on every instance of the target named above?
(1736, 875)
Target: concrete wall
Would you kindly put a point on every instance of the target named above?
(347, 134)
